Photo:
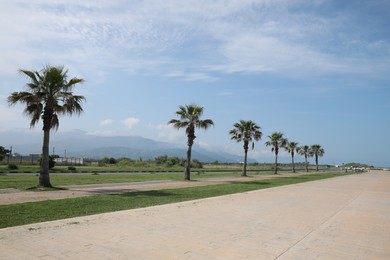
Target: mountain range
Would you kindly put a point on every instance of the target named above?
(78, 143)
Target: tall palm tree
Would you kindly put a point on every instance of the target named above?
(291, 148)
(246, 131)
(316, 151)
(305, 151)
(48, 95)
(277, 141)
(189, 118)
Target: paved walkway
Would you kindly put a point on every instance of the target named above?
(346, 217)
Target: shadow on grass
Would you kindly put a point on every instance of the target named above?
(150, 193)
(39, 188)
(257, 183)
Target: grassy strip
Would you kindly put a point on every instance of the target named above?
(33, 212)
(150, 167)
(28, 181)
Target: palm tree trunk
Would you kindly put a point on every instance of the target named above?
(187, 174)
(245, 162)
(307, 169)
(276, 163)
(317, 162)
(44, 178)
(292, 158)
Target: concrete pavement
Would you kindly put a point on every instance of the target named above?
(346, 217)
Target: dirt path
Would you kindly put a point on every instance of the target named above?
(12, 196)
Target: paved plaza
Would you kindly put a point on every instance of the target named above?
(345, 217)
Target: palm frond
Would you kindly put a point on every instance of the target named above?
(55, 123)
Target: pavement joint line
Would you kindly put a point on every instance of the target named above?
(322, 223)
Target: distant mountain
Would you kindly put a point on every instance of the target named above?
(118, 152)
(79, 144)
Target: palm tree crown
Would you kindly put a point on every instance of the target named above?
(48, 95)
(246, 131)
(277, 141)
(189, 118)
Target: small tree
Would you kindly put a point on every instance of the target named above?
(4, 152)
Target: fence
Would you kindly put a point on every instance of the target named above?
(35, 159)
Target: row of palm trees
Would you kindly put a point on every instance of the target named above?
(245, 131)
(49, 94)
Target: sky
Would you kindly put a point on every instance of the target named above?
(316, 70)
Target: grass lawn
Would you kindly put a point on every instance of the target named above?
(150, 167)
(33, 212)
(28, 181)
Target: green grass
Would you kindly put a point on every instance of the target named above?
(28, 181)
(149, 167)
(33, 212)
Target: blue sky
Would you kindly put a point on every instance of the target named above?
(318, 71)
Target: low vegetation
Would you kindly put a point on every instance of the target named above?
(25, 176)
(33, 212)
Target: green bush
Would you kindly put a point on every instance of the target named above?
(71, 168)
(106, 160)
(52, 161)
(125, 162)
(12, 166)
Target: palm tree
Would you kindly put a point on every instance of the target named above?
(246, 131)
(316, 150)
(291, 148)
(48, 95)
(190, 119)
(305, 151)
(276, 141)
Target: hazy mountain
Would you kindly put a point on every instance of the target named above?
(118, 152)
(79, 144)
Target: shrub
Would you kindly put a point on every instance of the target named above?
(12, 166)
(125, 162)
(196, 164)
(52, 161)
(71, 168)
(107, 160)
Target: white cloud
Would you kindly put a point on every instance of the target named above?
(168, 133)
(108, 133)
(204, 145)
(13, 116)
(189, 40)
(130, 122)
(106, 122)
(191, 76)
